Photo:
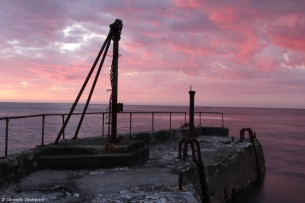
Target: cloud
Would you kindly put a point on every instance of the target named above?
(220, 46)
(188, 4)
(24, 84)
(288, 31)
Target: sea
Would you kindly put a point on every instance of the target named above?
(280, 131)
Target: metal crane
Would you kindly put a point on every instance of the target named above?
(114, 107)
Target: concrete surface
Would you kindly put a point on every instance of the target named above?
(230, 167)
(19, 165)
(154, 181)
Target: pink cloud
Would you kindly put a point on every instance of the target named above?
(288, 31)
(187, 4)
(267, 64)
(240, 34)
(225, 15)
(165, 46)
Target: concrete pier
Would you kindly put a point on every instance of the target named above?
(230, 167)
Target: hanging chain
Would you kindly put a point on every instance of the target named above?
(110, 102)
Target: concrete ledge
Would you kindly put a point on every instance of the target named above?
(230, 166)
(212, 131)
(92, 161)
(160, 136)
(19, 165)
(68, 155)
(90, 147)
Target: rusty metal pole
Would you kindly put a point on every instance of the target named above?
(6, 137)
(191, 112)
(116, 27)
(42, 129)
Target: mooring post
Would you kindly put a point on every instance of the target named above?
(116, 28)
(191, 112)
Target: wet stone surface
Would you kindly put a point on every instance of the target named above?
(154, 181)
(46, 180)
(148, 193)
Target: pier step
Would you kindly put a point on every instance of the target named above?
(65, 157)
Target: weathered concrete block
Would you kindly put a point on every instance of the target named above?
(260, 159)
(17, 166)
(212, 131)
(157, 136)
(127, 153)
(160, 136)
(230, 166)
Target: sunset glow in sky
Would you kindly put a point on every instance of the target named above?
(234, 53)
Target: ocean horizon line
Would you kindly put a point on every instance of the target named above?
(161, 105)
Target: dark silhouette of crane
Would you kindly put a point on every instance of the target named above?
(114, 107)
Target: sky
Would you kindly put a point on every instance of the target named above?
(238, 53)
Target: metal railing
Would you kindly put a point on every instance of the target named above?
(104, 114)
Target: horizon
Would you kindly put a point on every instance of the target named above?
(245, 54)
(162, 105)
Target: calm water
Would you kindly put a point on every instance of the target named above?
(281, 132)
